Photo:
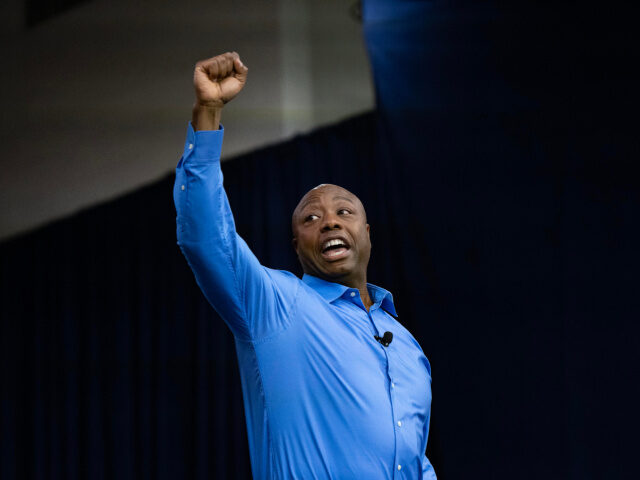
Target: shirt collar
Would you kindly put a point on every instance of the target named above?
(332, 291)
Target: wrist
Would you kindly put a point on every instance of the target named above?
(206, 116)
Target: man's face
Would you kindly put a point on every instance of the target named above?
(331, 235)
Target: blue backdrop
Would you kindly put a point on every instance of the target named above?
(511, 135)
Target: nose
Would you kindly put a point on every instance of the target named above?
(331, 222)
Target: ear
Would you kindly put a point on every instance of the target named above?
(294, 242)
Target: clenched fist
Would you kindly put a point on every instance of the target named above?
(216, 81)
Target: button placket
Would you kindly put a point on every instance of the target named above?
(392, 398)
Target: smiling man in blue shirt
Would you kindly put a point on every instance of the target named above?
(334, 386)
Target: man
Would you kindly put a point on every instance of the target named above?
(328, 393)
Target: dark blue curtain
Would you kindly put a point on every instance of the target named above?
(513, 138)
(498, 175)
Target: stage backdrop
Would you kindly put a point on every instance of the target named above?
(513, 140)
(503, 217)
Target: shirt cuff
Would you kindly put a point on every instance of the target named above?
(204, 144)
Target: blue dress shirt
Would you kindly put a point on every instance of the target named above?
(323, 399)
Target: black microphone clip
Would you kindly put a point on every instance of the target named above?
(385, 339)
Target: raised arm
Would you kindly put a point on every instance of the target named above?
(250, 298)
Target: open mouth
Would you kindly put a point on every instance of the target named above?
(334, 249)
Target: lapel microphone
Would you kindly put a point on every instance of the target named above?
(385, 339)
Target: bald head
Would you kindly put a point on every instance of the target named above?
(335, 192)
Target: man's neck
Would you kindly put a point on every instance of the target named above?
(361, 285)
(364, 296)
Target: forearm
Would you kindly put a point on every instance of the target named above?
(206, 229)
(203, 213)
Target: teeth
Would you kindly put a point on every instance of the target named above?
(333, 243)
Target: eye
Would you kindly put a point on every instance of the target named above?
(344, 211)
(311, 217)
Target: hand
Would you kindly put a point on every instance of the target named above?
(219, 79)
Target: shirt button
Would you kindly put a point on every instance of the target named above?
(399, 423)
(353, 294)
(182, 187)
(190, 146)
(393, 385)
(399, 467)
